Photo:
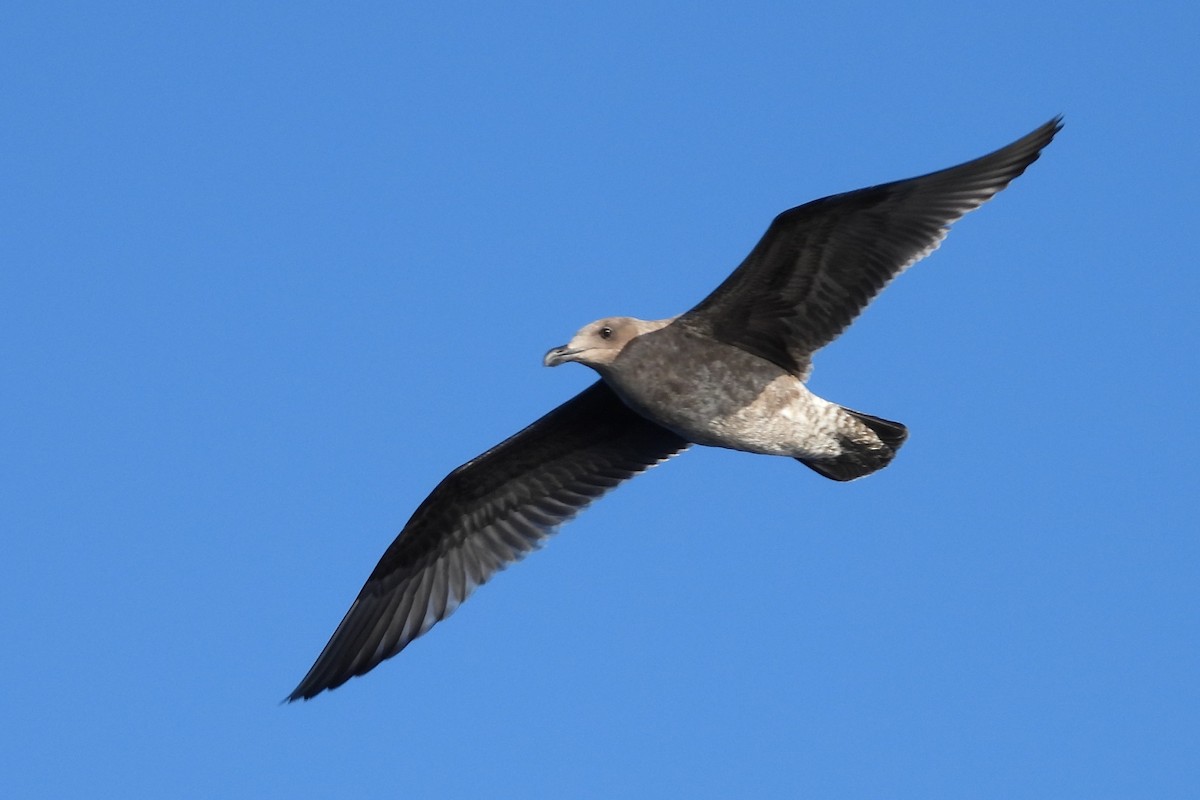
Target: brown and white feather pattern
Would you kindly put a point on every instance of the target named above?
(485, 515)
(819, 264)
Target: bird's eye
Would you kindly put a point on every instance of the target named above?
(606, 332)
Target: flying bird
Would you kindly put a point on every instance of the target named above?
(728, 373)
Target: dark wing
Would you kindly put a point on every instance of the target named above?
(482, 517)
(819, 264)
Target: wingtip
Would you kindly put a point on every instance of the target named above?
(308, 689)
(1042, 135)
(1049, 129)
(1039, 139)
(298, 693)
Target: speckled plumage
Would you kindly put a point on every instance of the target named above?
(715, 394)
(728, 373)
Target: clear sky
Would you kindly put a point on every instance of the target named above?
(269, 271)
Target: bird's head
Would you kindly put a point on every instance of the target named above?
(597, 344)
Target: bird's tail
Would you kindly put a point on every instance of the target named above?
(858, 459)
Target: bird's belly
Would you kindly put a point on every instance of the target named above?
(785, 420)
(751, 406)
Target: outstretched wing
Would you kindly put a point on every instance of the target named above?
(819, 264)
(482, 517)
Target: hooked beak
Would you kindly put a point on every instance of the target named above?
(558, 355)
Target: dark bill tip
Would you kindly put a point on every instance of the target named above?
(557, 355)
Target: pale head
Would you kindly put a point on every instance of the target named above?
(598, 344)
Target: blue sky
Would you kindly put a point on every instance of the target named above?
(268, 272)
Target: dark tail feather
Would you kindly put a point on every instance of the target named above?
(858, 460)
(890, 433)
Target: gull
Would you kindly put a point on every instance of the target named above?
(728, 373)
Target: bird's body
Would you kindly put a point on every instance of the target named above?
(729, 398)
(729, 373)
